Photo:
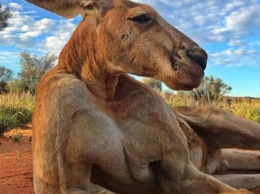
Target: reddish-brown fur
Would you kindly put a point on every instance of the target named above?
(96, 126)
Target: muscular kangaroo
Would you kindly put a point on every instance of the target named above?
(94, 134)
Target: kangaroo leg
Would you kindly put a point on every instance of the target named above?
(241, 159)
(154, 136)
(226, 129)
(84, 186)
(192, 181)
(179, 175)
(247, 181)
(74, 178)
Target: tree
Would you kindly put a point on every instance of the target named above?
(4, 16)
(33, 67)
(16, 86)
(154, 83)
(211, 89)
(5, 76)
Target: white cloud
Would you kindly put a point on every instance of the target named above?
(211, 20)
(238, 43)
(58, 37)
(231, 22)
(244, 19)
(14, 6)
(24, 28)
(44, 34)
(237, 55)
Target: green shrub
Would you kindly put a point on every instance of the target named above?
(247, 111)
(12, 116)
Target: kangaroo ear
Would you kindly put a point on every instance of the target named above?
(71, 8)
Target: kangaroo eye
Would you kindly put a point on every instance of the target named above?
(140, 19)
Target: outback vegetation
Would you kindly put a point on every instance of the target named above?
(213, 92)
(15, 110)
(17, 94)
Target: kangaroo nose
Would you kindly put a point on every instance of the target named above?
(199, 56)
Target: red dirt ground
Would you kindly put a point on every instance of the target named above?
(16, 164)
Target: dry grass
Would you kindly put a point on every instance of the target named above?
(246, 107)
(15, 110)
(25, 100)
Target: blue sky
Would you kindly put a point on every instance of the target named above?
(229, 30)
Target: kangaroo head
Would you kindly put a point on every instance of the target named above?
(121, 36)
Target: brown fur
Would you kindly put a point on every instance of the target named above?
(94, 125)
(218, 129)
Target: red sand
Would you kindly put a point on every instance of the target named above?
(16, 164)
